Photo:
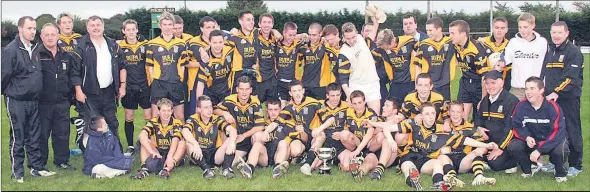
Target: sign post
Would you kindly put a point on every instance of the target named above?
(155, 15)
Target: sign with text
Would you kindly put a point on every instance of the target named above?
(156, 12)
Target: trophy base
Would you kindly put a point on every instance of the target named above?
(325, 172)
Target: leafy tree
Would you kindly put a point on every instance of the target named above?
(250, 5)
(582, 6)
(43, 19)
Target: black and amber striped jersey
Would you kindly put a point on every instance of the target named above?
(247, 116)
(208, 135)
(193, 54)
(489, 43)
(370, 43)
(166, 58)
(472, 59)
(354, 122)
(412, 103)
(161, 135)
(216, 74)
(284, 131)
(245, 54)
(427, 140)
(318, 63)
(434, 58)
(186, 37)
(339, 114)
(288, 60)
(266, 56)
(301, 114)
(397, 65)
(466, 129)
(136, 71)
(68, 43)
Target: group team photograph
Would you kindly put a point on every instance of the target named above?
(232, 103)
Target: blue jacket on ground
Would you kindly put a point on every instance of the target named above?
(103, 148)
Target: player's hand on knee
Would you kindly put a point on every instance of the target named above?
(530, 142)
(534, 157)
(336, 136)
(316, 132)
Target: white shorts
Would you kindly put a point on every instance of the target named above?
(372, 90)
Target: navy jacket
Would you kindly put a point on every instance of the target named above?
(103, 148)
(84, 69)
(563, 70)
(22, 78)
(56, 75)
(546, 125)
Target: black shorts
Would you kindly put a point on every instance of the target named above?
(217, 98)
(283, 91)
(456, 158)
(267, 89)
(469, 91)
(331, 143)
(445, 91)
(133, 98)
(418, 159)
(245, 145)
(400, 90)
(366, 152)
(271, 149)
(208, 156)
(318, 93)
(173, 91)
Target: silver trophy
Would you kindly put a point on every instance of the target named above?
(325, 154)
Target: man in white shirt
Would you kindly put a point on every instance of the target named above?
(98, 73)
(525, 52)
(357, 65)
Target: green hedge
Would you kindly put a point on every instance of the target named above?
(577, 21)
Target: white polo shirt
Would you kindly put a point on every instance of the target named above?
(104, 72)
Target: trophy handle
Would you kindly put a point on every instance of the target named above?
(333, 152)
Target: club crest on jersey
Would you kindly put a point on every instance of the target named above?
(488, 51)
(305, 110)
(331, 55)
(243, 41)
(500, 109)
(228, 58)
(560, 58)
(280, 129)
(430, 48)
(189, 121)
(280, 50)
(433, 138)
(199, 129)
(63, 65)
(388, 51)
(341, 114)
(142, 48)
(446, 47)
(126, 50)
(468, 59)
(250, 110)
(175, 49)
(160, 49)
(404, 50)
(74, 41)
(59, 41)
(236, 108)
(307, 51)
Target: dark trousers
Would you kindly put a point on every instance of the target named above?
(318, 93)
(400, 90)
(573, 125)
(384, 92)
(445, 91)
(55, 122)
(25, 131)
(106, 104)
(502, 162)
(519, 149)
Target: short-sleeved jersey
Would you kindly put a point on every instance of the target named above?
(301, 114)
(288, 60)
(136, 71)
(245, 54)
(489, 43)
(267, 56)
(161, 135)
(466, 129)
(68, 43)
(208, 135)
(397, 65)
(318, 63)
(166, 58)
(353, 122)
(193, 54)
(434, 58)
(339, 114)
(247, 116)
(216, 74)
(472, 59)
(412, 103)
(428, 141)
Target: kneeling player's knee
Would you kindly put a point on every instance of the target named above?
(401, 139)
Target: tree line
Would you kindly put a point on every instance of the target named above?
(577, 20)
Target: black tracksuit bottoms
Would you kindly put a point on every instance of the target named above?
(519, 149)
(573, 126)
(25, 132)
(55, 123)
